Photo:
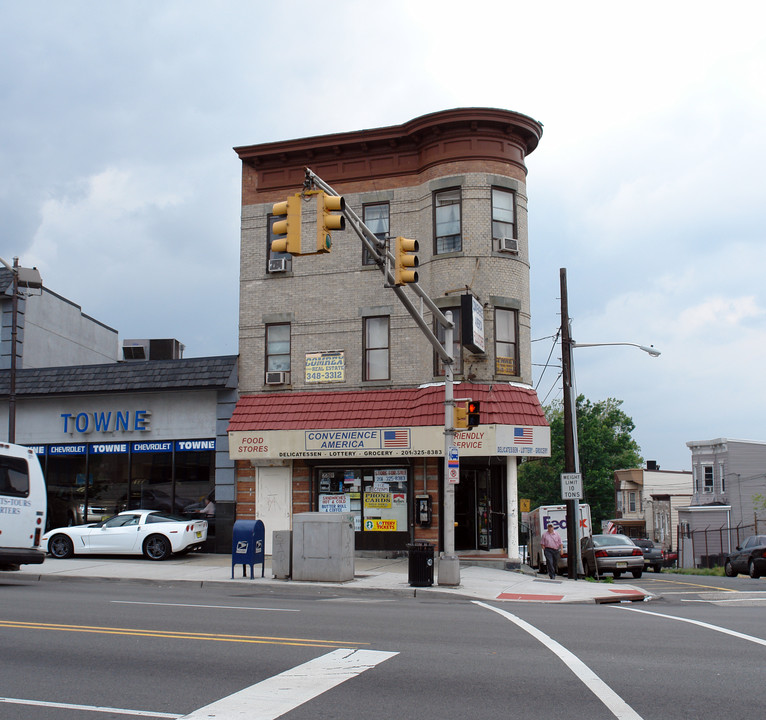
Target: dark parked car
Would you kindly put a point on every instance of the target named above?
(611, 553)
(652, 554)
(750, 558)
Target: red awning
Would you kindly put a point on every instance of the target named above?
(501, 404)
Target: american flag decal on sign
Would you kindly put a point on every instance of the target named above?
(522, 436)
(396, 438)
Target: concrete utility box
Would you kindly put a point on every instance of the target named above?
(281, 553)
(323, 547)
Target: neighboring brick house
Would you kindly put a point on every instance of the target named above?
(647, 502)
(341, 394)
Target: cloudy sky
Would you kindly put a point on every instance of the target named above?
(120, 184)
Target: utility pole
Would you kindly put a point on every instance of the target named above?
(570, 428)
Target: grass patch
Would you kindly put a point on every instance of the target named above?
(716, 571)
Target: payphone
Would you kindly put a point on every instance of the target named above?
(423, 511)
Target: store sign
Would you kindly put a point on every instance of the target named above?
(107, 421)
(370, 439)
(323, 367)
(524, 440)
(472, 323)
(335, 503)
(413, 442)
(374, 524)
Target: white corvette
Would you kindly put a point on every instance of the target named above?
(153, 533)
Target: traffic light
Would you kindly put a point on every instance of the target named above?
(405, 261)
(472, 414)
(460, 416)
(326, 221)
(289, 228)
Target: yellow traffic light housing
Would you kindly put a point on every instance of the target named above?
(460, 416)
(326, 221)
(289, 228)
(405, 261)
(472, 413)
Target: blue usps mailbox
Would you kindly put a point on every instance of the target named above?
(248, 546)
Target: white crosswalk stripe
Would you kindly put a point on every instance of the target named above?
(277, 695)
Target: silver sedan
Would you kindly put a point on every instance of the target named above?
(613, 554)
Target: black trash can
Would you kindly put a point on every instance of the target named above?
(421, 564)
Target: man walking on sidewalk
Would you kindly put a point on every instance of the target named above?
(552, 544)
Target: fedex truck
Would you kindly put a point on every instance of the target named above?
(555, 515)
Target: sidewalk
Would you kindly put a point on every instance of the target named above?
(370, 575)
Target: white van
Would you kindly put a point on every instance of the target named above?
(23, 504)
(555, 515)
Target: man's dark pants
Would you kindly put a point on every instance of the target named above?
(552, 561)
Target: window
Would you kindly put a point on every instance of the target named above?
(14, 477)
(506, 345)
(708, 479)
(447, 221)
(278, 348)
(376, 217)
(457, 367)
(376, 351)
(722, 475)
(270, 220)
(632, 502)
(503, 214)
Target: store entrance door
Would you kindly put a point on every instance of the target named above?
(480, 509)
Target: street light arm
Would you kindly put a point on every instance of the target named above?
(651, 350)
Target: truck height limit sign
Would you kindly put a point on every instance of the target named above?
(571, 486)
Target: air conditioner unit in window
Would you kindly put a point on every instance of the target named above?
(279, 264)
(276, 378)
(510, 245)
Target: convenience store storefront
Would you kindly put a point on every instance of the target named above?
(389, 477)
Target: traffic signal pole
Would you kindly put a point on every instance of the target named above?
(449, 564)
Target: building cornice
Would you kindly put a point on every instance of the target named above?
(472, 139)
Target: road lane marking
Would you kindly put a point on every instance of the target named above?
(212, 607)
(277, 695)
(173, 635)
(707, 587)
(614, 703)
(90, 708)
(708, 626)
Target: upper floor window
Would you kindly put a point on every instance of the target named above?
(503, 214)
(722, 474)
(632, 502)
(376, 217)
(376, 348)
(457, 355)
(506, 343)
(708, 479)
(278, 348)
(447, 231)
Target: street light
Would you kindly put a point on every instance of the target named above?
(650, 349)
(21, 278)
(571, 453)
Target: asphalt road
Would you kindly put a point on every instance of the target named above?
(105, 649)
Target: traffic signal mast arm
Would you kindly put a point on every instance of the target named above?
(385, 260)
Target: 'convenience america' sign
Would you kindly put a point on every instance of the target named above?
(361, 439)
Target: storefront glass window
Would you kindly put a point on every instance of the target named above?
(108, 483)
(377, 497)
(65, 480)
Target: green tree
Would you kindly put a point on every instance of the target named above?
(605, 443)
